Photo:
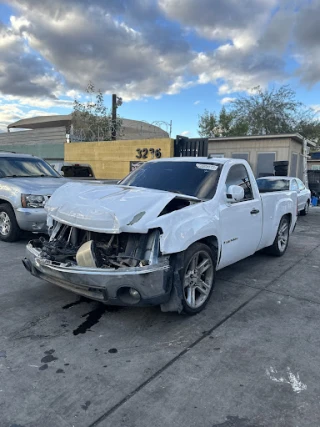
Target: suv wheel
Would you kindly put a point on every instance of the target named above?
(9, 229)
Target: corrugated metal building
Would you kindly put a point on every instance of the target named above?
(46, 135)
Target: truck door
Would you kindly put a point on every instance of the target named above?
(241, 222)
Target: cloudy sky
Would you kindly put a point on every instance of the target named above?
(167, 59)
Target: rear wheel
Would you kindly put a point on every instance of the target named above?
(305, 211)
(281, 240)
(9, 229)
(197, 278)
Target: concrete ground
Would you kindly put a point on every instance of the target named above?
(251, 359)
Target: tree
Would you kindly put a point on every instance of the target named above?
(270, 111)
(91, 120)
(263, 112)
(208, 125)
(212, 126)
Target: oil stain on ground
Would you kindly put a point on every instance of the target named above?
(93, 318)
(86, 405)
(49, 356)
(79, 301)
(43, 367)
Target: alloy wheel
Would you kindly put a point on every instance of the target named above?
(198, 279)
(5, 223)
(283, 236)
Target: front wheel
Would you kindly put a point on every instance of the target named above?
(197, 278)
(281, 241)
(9, 229)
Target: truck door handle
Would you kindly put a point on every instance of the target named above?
(254, 211)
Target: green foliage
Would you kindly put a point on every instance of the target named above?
(225, 125)
(267, 112)
(262, 112)
(91, 120)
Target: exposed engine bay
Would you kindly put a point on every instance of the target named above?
(73, 246)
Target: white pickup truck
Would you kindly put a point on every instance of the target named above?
(160, 235)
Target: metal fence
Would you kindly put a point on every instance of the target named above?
(128, 129)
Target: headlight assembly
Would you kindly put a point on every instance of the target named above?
(32, 201)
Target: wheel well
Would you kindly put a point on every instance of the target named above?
(212, 242)
(4, 202)
(289, 216)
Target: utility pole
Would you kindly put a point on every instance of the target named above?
(114, 118)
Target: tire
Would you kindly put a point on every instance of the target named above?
(9, 229)
(305, 211)
(281, 241)
(197, 287)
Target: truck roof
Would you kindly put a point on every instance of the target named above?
(221, 160)
(10, 154)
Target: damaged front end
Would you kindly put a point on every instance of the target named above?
(121, 269)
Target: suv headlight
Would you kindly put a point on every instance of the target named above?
(32, 201)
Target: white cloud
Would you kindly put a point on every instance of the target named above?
(227, 20)
(236, 69)
(226, 100)
(185, 133)
(11, 112)
(129, 50)
(41, 102)
(196, 102)
(316, 109)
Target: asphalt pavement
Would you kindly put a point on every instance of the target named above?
(250, 359)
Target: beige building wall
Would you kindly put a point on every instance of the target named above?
(281, 148)
(111, 159)
(296, 148)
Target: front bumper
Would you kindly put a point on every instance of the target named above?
(32, 219)
(153, 282)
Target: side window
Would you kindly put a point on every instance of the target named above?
(238, 175)
(294, 185)
(301, 185)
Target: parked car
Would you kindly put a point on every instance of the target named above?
(74, 170)
(281, 183)
(159, 236)
(26, 184)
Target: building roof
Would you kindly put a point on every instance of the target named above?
(132, 127)
(42, 122)
(296, 136)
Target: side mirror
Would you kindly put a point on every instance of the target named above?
(235, 194)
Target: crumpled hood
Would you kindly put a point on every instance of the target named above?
(108, 208)
(40, 186)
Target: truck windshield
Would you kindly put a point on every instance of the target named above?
(268, 185)
(191, 178)
(15, 167)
